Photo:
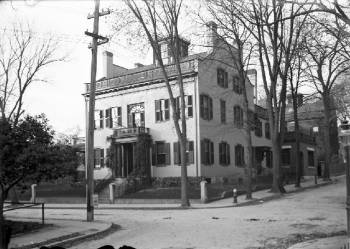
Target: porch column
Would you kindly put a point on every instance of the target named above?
(133, 156)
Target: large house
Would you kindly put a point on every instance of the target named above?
(133, 118)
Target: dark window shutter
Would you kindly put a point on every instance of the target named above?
(211, 152)
(167, 151)
(154, 153)
(226, 80)
(220, 153)
(176, 153)
(210, 108)
(203, 152)
(101, 119)
(228, 154)
(119, 116)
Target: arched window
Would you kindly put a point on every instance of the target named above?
(224, 153)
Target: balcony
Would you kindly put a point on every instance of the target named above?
(304, 138)
(130, 132)
(149, 74)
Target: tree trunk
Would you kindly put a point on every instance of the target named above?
(277, 183)
(297, 142)
(184, 198)
(247, 128)
(326, 134)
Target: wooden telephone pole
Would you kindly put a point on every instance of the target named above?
(91, 111)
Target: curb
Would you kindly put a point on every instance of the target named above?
(71, 239)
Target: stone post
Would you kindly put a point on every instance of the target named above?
(204, 192)
(33, 198)
(111, 192)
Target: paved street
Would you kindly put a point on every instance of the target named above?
(315, 210)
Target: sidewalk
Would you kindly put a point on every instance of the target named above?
(338, 242)
(59, 232)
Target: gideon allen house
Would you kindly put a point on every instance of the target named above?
(134, 130)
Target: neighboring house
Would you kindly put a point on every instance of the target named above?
(311, 120)
(134, 126)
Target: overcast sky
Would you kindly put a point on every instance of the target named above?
(60, 99)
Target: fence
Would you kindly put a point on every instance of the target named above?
(20, 205)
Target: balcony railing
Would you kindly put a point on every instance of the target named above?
(130, 132)
(144, 76)
(304, 138)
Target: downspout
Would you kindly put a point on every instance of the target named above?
(198, 168)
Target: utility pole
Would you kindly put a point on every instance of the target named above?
(91, 110)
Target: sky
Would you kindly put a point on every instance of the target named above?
(61, 97)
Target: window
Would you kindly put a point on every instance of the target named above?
(224, 153)
(285, 157)
(267, 130)
(223, 111)
(268, 159)
(99, 119)
(162, 110)
(161, 153)
(207, 152)
(188, 106)
(189, 152)
(222, 77)
(238, 116)
(116, 117)
(239, 155)
(258, 127)
(237, 86)
(206, 107)
(310, 158)
(98, 158)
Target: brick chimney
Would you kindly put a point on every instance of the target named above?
(107, 64)
(212, 29)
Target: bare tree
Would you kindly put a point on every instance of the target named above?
(159, 21)
(328, 58)
(236, 40)
(277, 36)
(22, 57)
(296, 79)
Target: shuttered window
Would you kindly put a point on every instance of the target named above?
(162, 110)
(224, 153)
(239, 155)
(188, 106)
(99, 119)
(237, 86)
(223, 111)
(207, 152)
(222, 78)
(116, 117)
(161, 153)
(206, 107)
(189, 152)
(238, 116)
(108, 118)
